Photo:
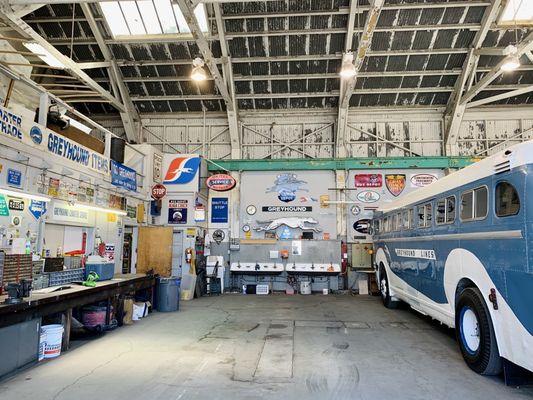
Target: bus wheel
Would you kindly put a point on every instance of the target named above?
(475, 333)
(385, 291)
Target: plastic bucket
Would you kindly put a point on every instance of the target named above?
(54, 337)
(42, 343)
(168, 294)
(305, 287)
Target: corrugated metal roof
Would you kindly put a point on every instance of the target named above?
(311, 44)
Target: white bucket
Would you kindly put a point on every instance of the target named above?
(305, 287)
(53, 339)
(325, 291)
(42, 343)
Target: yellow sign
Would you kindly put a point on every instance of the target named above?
(191, 232)
(140, 213)
(324, 198)
(111, 217)
(248, 235)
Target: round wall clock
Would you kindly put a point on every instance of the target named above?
(246, 228)
(251, 210)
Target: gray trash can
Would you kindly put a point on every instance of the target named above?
(168, 294)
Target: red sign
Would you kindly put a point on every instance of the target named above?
(221, 182)
(159, 191)
(395, 183)
(368, 180)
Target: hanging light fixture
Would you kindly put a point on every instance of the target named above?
(348, 67)
(512, 61)
(198, 73)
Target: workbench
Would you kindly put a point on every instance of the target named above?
(43, 302)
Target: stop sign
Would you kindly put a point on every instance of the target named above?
(159, 191)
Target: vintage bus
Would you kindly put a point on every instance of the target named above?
(461, 251)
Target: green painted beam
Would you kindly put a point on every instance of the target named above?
(340, 163)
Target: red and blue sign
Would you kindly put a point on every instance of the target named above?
(181, 170)
(221, 182)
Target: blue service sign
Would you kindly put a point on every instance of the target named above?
(14, 177)
(123, 176)
(37, 208)
(219, 210)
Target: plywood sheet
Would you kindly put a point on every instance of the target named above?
(154, 250)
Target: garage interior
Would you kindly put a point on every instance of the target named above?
(191, 194)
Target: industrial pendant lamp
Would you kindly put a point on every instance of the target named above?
(348, 67)
(198, 73)
(512, 61)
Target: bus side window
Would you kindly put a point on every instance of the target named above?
(450, 209)
(427, 220)
(440, 212)
(507, 200)
(410, 223)
(399, 225)
(420, 216)
(481, 202)
(467, 205)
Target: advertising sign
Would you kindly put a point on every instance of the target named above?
(16, 204)
(4, 210)
(421, 180)
(287, 185)
(15, 127)
(123, 176)
(368, 180)
(368, 196)
(177, 211)
(65, 213)
(219, 210)
(181, 170)
(221, 182)
(14, 177)
(37, 208)
(287, 209)
(395, 183)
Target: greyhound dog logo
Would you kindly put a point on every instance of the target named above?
(286, 186)
(182, 170)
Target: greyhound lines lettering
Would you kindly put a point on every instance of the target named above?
(181, 170)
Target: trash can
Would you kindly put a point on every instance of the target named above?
(168, 294)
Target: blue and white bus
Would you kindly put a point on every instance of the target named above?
(461, 251)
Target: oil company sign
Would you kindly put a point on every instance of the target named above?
(158, 191)
(221, 182)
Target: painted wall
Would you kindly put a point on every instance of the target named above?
(278, 195)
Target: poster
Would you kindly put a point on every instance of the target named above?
(177, 212)
(53, 187)
(123, 176)
(219, 210)
(296, 247)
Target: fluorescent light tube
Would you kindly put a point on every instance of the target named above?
(15, 193)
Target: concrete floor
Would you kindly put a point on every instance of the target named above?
(277, 347)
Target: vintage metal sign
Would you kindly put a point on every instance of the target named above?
(421, 180)
(286, 186)
(221, 182)
(368, 196)
(368, 180)
(395, 183)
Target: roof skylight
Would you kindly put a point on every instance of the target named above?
(517, 11)
(148, 17)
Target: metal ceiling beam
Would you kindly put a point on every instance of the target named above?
(522, 48)
(499, 97)
(333, 93)
(25, 30)
(455, 109)
(348, 86)
(361, 8)
(227, 69)
(130, 119)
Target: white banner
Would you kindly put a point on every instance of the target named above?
(15, 127)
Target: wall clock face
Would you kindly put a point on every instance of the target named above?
(251, 210)
(246, 228)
